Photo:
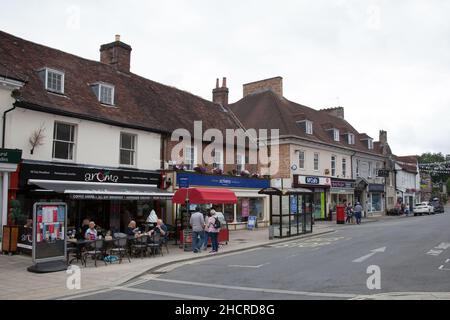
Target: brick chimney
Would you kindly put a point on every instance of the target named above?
(383, 137)
(273, 84)
(116, 54)
(220, 94)
(337, 112)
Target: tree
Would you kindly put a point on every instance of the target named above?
(432, 158)
(448, 186)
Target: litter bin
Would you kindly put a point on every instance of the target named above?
(340, 214)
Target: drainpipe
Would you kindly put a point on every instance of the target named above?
(4, 124)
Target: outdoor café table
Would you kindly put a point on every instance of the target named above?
(83, 243)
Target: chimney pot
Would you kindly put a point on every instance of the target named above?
(117, 37)
(224, 82)
(220, 95)
(217, 83)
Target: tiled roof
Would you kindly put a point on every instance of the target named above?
(407, 163)
(267, 110)
(139, 102)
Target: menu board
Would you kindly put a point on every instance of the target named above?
(49, 224)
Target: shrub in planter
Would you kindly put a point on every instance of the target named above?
(245, 173)
(200, 169)
(15, 212)
(217, 171)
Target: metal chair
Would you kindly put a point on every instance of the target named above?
(155, 244)
(140, 246)
(94, 250)
(120, 249)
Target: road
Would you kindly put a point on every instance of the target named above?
(412, 253)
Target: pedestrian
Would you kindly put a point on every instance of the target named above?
(349, 212)
(198, 225)
(213, 231)
(358, 209)
(205, 236)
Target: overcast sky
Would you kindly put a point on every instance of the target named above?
(386, 62)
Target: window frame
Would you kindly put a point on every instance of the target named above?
(189, 165)
(333, 165)
(336, 135)
(309, 127)
(351, 139)
(370, 144)
(134, 151)
(108, 86)
(218, 164)
(300, 159)
(344, 167)
(316, 160)
(58, 72)
(73, 142)
(240, 163)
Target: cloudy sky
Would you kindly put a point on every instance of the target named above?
(386, 62)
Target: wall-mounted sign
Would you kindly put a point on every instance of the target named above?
(10, 155)
(197, 179)
(383, 173)
(84, 174)
(342, 184)
(311, 180)
(376, 187)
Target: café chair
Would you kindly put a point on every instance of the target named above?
(94, 250)
(155, 244)
(140, 246)
(120, 249)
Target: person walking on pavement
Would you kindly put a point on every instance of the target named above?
(198, 225)
(358, 210)
(349, 212)
(205, 232)
(213, 231)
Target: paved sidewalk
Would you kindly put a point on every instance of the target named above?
(17, 283)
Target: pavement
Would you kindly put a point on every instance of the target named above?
(385, 258)
(17, 283)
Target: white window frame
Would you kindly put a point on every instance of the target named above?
(240, 162)
(316, 161)
(344, 167)
(308, 127)
(370, 169)
(336, 134)
(301, 158)
(61, 73)
(357, 167)
(218, 160)
(109, 86)
(187, 161)
(333, 165)
(351, 138)
(74, 126)
(370, 144)
(134, 151)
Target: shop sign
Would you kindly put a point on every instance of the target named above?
(196, 179)
(84, 174)
(376, 187)
(10, 155)
(383, 173)
(312, 180)
(117, 197)
(342, 184)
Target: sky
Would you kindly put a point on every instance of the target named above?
(386, 62)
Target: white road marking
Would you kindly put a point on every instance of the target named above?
(242, 266)
(446, 261)
(265, 290)
(434, 252)
(166, 294)
(443, 246)
(367, 256)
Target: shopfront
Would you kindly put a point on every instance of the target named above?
(342, 191)
(375, 199)
(109, 197)
(249, 201)
(319, 187)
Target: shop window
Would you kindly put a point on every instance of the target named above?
(127, 149)
(63, 141)
(249, 207)
(376, 203)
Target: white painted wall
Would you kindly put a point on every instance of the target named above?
(366, 163)
(95, 143)
(324, 161)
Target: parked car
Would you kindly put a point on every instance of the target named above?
(423, 207)
(437, 205)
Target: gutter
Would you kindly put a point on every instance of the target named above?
(4, 124)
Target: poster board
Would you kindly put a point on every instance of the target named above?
(251, 222)
(49, 236)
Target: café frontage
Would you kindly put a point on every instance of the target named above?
(110, 197)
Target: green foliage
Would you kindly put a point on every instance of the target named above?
(429, 157)
(448, 186)
(15, 212)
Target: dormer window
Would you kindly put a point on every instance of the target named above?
(53, 80)
(351, 138)
(336, 134)
(104, 93)
(306, 125)
(370, 144)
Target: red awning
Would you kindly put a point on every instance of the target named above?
(205, 196)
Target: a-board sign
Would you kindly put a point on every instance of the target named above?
(49, 236)
(251, 222)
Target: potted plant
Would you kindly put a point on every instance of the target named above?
(200, 169)
(217, 171)
(245, 173)
(11, 232)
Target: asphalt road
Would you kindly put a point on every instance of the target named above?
(412, 255)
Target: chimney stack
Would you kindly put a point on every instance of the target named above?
(337, 112)
(117, 54)
(273, 84)
(383, 137)
(220, 95)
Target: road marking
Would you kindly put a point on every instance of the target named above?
(434, 252)
(166, 294)
(446, 261)
(265, 290)
(443, 246)
(367, 256)
(308, 243)
(242, 266)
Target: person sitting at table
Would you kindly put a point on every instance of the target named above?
(91, 233)
(131, 229)
(160, 228)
